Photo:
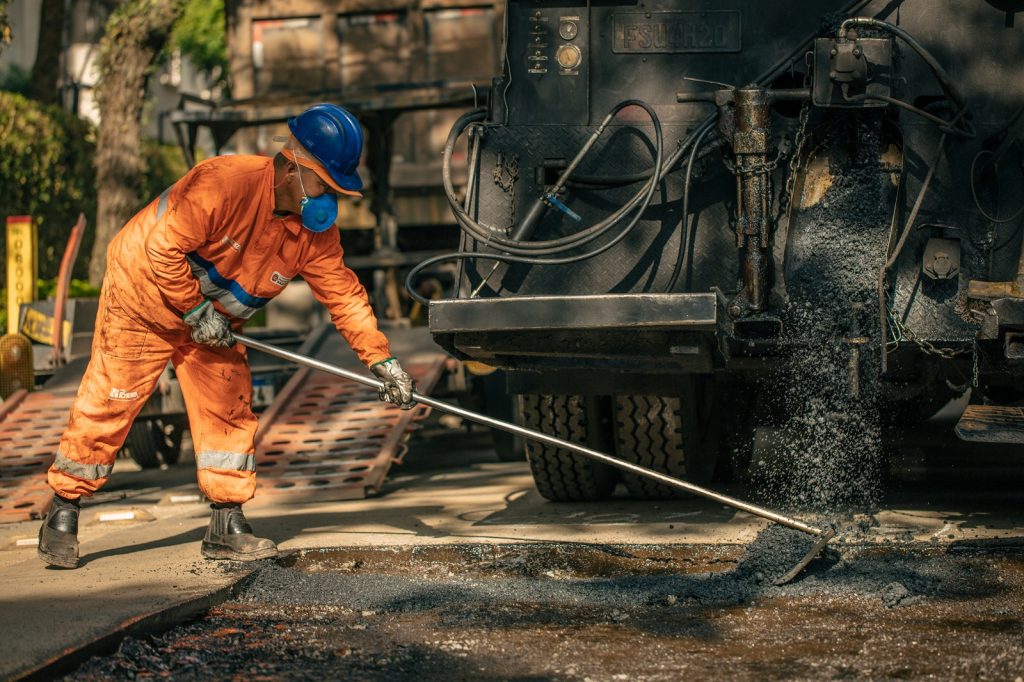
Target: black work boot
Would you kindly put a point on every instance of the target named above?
(58, 536)
(230, 536)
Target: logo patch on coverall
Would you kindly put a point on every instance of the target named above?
(121, 394)
(279, 279)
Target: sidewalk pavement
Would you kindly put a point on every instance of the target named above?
(457, 492)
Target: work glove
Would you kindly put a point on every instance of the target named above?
(398, 385)
(209, 327)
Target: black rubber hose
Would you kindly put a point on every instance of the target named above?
(684, 235)
(940, 73)
(645, 201)
(707, 125)
(944, 125)
(546, 247)
(598, 182)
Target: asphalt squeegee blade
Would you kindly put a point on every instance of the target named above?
(823, 535)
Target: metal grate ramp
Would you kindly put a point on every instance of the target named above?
(31, 425)
(325, 438)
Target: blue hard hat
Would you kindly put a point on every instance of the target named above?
(334, 137)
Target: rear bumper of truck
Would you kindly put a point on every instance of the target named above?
(578, 343)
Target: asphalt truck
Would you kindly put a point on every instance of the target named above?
(686, 218)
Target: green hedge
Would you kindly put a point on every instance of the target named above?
(46, 171)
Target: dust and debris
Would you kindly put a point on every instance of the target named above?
(824, 452)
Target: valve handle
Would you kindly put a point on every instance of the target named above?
(551, 199)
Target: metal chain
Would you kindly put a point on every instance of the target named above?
(766, 167)
(903, 333)
(506, 167)
(974, 369)
(795, 159)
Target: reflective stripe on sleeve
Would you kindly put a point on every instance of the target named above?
(86, 472)
(236, 300)
(234, 461)
(161, 206)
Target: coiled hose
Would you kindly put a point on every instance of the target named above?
(542, 252)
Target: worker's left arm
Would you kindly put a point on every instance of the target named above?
(338, 288)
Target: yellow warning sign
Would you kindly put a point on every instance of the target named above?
(38, 326)
(22, 266)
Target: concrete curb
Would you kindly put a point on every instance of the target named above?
(152, 623)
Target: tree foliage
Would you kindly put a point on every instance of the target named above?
(46, 171)
(200, 34)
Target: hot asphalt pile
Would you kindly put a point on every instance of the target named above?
(577, 611)
(890, 577)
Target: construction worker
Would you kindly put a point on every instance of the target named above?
(191, 266)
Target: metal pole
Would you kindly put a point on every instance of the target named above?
(537, 436)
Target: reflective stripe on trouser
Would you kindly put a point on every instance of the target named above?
(127, 360)
(217, 388)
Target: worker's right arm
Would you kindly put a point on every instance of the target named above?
(185, 221)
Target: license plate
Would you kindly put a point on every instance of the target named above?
(676, 32)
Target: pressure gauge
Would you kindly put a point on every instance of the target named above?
(568, 30)
(568, 57)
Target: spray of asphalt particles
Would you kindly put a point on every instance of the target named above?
(825, 452)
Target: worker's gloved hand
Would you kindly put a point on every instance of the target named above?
(209, 327)
(398, 385)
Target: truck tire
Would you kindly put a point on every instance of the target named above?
(669, 435)
(140, 444)
(168, 433)
(154, 443)
(560, 475)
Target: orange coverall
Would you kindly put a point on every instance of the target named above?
(212, 235)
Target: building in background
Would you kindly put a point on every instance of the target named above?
(21, 53)
(408, 70)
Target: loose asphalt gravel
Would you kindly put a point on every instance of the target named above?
(651, 612)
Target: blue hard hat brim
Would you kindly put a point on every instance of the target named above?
(351, 182)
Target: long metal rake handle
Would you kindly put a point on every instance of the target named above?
(541, 437)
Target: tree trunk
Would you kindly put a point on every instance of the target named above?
(46, 69)
(135, 34)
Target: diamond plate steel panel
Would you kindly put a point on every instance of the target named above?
(328, 439)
